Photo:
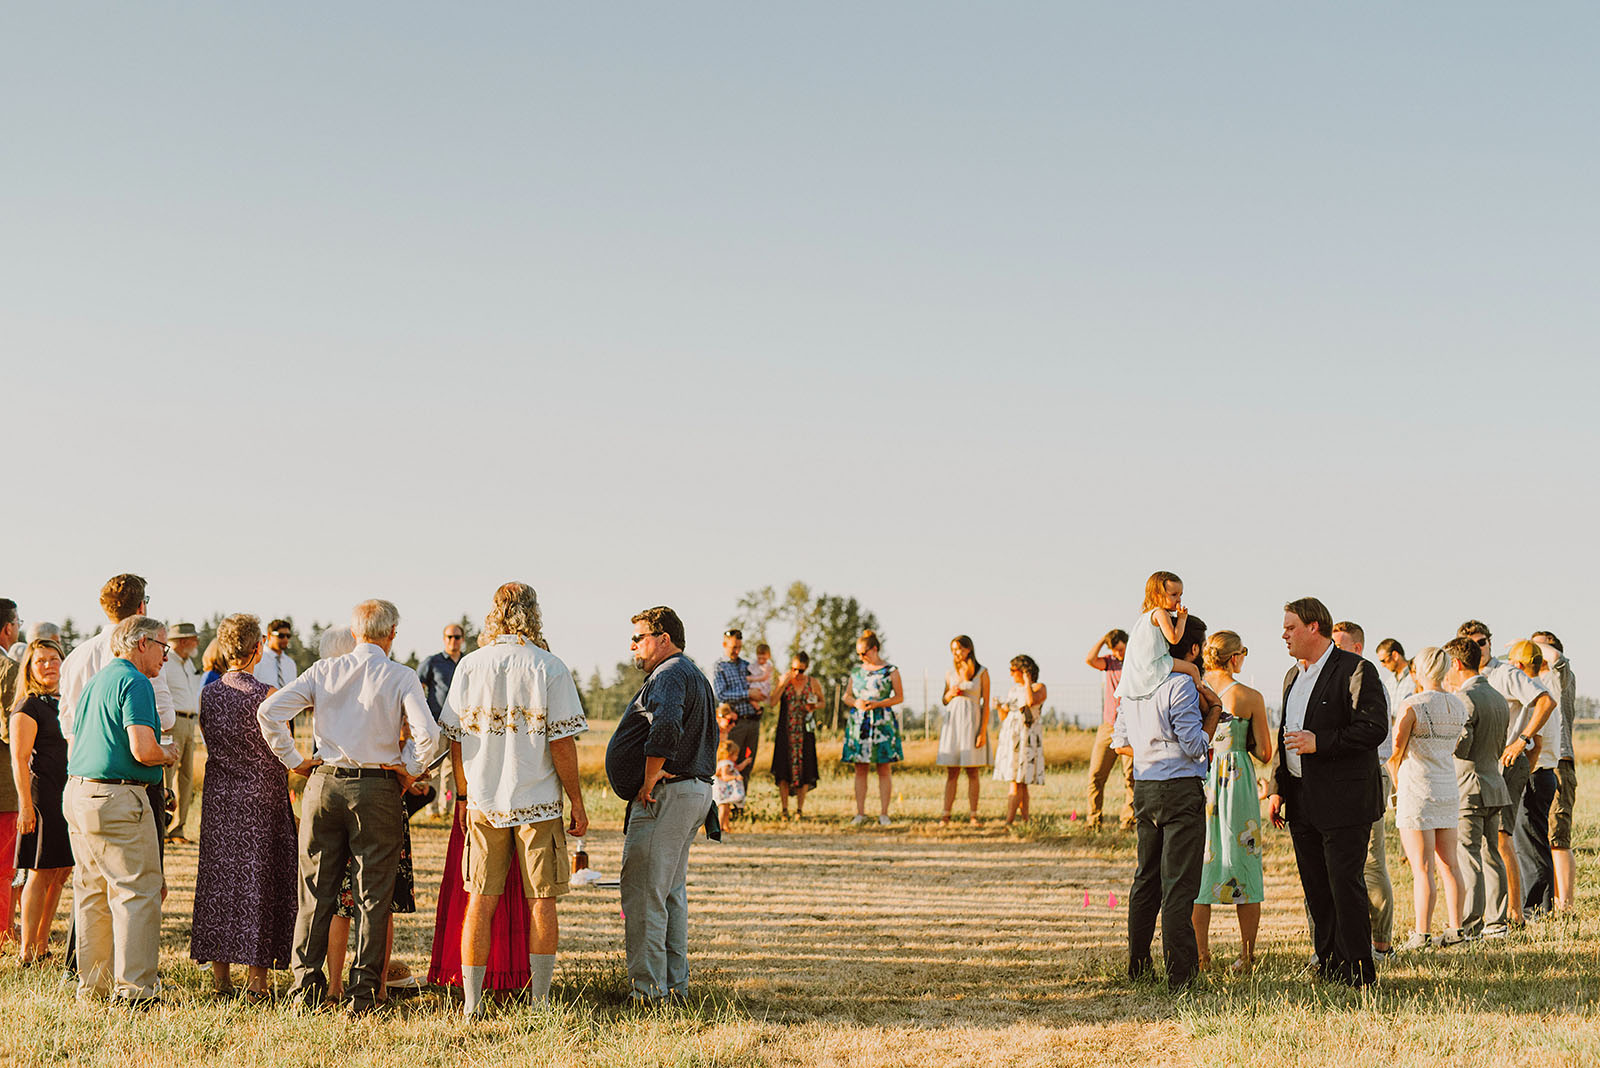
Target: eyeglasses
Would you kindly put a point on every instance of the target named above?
(158, 641)
(281, 634)
(637, 638)
(452, 637)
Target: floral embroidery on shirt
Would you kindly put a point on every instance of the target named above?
(544, 810)
(479, 720)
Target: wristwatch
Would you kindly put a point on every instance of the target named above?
(1527, 740)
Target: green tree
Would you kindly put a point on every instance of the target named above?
(830, 634)
(69, 635)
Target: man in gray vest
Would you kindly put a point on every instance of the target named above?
(1483, 792)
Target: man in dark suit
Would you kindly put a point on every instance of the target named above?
(1335, 715)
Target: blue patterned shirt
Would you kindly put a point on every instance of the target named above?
(732, 687)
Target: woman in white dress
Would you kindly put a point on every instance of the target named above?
(1427, 804)
(964, 737)
(1019, 749)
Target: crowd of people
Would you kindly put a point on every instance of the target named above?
(93, 733)
(1475, 753)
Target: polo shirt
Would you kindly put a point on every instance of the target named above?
(118, 697)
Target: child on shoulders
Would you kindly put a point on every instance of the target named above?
(1149, 657)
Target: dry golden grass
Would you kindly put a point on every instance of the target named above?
(817, 944)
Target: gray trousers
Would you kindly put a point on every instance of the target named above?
(655, 902)
(1380, 892)
(180, 777)
(1482, 870)
(352, 821)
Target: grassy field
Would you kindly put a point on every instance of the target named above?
(817, 944)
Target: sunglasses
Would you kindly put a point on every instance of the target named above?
(281, 634)
(733, 634)
(1484, 641)
(637, 638)
(452, 637)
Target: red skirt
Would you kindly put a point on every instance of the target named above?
(508, 937)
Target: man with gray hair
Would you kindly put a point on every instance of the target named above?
(115, 830)
(352, 808)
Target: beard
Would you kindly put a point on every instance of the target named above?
(639, 662)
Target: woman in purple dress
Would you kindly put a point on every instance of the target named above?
(244, 891)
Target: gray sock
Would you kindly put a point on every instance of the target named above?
(541, 966)
(472, 983)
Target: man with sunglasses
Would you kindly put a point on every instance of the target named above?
(1531, 705)
(277, 667)
(660, 761)
(437, 672)
(732, 688)
(116, 758)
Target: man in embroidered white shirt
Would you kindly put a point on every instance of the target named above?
(513, 717)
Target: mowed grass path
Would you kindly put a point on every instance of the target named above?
(814, 943)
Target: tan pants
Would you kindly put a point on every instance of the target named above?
(116, 887)
(182, 773)
(1101, 761)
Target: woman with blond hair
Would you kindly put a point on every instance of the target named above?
(873, 738)
(39, 770)
(1232, 873)
(964, 735)
(1427, 727)
(244, 889)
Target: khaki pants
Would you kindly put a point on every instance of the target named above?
(1380, 891)
(183, 736)
(116, 888)
(1101, 761)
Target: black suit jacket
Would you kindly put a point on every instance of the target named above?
(1340, 784)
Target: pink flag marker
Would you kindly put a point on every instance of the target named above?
(1086, 899)
(1111, 902)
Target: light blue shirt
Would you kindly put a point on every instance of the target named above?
(1165, 730)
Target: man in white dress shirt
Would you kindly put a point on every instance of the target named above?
(513, 717)
(122, 597)
(277, 667)
(352, 808)
(1380, 891)
(183, 682)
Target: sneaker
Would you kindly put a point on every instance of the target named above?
(1418, 940)
(1382, 954)
(1496, 930)
(858, 821)
(883, 821)
(1452, 937)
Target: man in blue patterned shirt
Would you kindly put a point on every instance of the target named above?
(731, 685)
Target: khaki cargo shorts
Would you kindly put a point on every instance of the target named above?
(1561, 805)
(539, 850)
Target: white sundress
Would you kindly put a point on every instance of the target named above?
(1426, 795)
(1019, 748)
(1149, 659)
(958, 735)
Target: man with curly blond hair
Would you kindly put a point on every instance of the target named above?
(513, 717)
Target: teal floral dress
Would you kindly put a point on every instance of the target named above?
(1232, 873)
(873, 736)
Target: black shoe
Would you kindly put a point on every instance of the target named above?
(139, 1004)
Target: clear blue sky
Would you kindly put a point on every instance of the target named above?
(978, 313)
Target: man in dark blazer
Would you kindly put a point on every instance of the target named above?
(1335, 715)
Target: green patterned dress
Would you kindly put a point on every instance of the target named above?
(1232, 873)
(873, 736)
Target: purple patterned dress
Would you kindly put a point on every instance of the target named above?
(244, 891)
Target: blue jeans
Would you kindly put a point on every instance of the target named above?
(655, 902)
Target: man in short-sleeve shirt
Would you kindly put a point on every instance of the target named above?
(116, 755)
(1106, 658)
(512, 716)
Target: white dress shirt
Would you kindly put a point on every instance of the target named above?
(85, 662)
(1294, 709)
(507, 703)
(184, 685)
(276, 669)
(359, 702)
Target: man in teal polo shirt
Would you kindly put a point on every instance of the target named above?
(116, 880)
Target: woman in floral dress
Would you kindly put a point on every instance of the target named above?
(873, 739)
(794, 750)
(1019, 750)
(1232, 872)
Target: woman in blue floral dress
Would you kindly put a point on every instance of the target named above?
(1232, 872)
(873, 738)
